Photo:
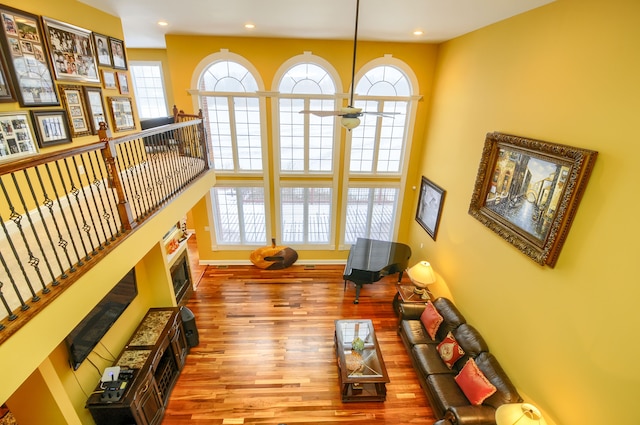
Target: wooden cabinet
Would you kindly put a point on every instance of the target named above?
(150, 365)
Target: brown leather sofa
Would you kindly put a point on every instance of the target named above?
(448, 401)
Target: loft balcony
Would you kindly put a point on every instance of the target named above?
(63, 212)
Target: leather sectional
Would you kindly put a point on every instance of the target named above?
(438, 381)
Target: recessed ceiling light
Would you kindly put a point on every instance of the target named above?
(249, 26)
(163, 23)
(418, 32)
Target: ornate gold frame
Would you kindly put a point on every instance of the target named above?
(528, 191)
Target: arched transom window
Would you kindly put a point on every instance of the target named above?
(232, 112)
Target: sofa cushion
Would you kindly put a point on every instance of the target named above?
(446, 393)
(449, 350)
(428, 360)
(475, 386)
(452, 318)
(471, 341)
(431, 320)
(414, 333)
(506, 391)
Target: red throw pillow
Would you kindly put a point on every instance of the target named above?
(475, 386)
(449, 350)
(431, 319)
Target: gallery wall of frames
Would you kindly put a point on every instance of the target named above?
(65, 79)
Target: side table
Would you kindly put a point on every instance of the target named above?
(405, 294)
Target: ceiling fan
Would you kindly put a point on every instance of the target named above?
(350, 115)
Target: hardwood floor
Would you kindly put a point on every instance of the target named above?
(266, 353)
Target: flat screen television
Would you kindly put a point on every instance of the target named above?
(84, 337)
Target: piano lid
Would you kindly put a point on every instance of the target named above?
(375, 255)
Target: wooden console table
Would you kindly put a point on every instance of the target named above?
(150, 365)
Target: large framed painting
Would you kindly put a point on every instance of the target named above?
(16, 136)
(430, 206)
(24, 50)
(528, 192)
(72, 53)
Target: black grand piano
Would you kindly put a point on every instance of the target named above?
(370, 260)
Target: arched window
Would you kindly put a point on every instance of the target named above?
(377, 151)
(306, 141)
(228, 93)
(232, 112)
(378, 144)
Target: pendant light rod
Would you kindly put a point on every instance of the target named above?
(355, 48)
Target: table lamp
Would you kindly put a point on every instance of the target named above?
(520, 414)
(422, 275)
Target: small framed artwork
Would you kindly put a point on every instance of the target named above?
(430, 204)
(16, 136)
(122, 113)
(123, 82)
(118, 56)
(102, 49)
(72, 53)
(109, 80)
(528, 191)
(6, 89)
(95, 107)
(27, 64)
(73, 101)
(52, 127)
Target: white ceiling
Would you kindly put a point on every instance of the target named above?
(380, 20)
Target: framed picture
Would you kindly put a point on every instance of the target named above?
(528, 191)
(6, 89)
(109, 80)
(430, 206)
(118, 56)
(16, 136)
(73, 101)
(95, 107)
(72, 53)
(28, 66)
(102, 49)
(123, 82)
(52, 127)
(122, 113)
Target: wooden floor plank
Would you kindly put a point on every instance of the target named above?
(266, 353)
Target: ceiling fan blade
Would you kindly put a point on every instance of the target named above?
(382, 114)
(322, 113)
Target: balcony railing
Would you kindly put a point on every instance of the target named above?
(61, 212)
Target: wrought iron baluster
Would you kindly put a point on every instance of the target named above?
(73, 216)
(98, 181)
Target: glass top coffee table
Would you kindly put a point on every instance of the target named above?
(361, 371)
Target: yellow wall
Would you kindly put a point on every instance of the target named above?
(567, 73)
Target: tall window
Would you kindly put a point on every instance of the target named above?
(370, 213)
(306, 140)
(239, 215)
(306, 214)
(232, 112)
(148, 86)
(377, 153)
(378, 144)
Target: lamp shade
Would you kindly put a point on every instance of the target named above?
(519, 414)
(422, 274)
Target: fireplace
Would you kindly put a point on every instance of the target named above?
(181, 278)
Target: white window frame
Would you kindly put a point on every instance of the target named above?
(139, 97)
